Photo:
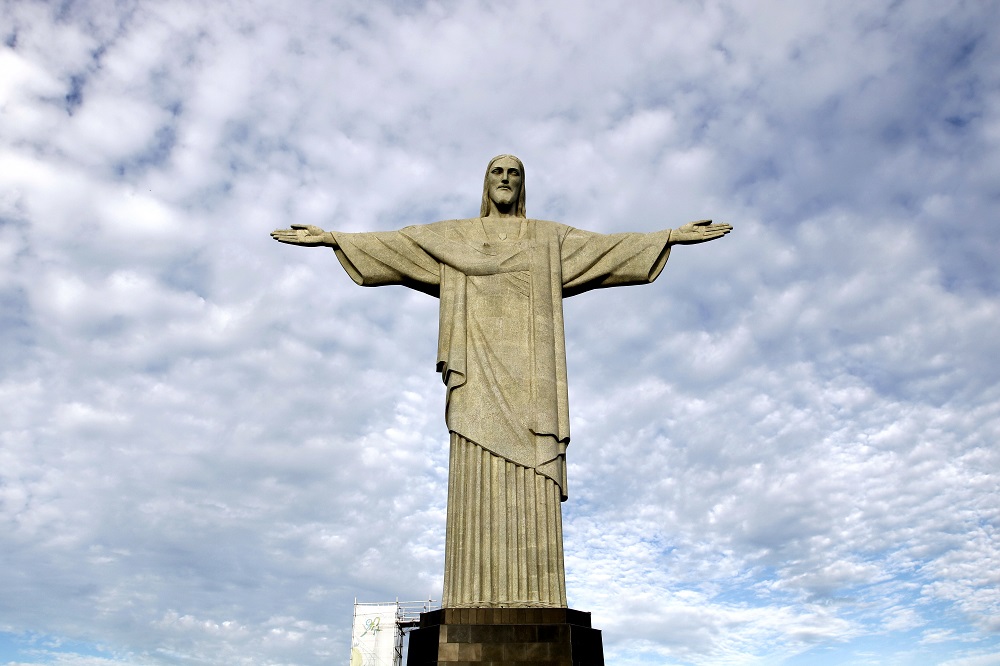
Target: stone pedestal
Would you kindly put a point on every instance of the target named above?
(494, 636)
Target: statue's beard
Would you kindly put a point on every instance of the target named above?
(503, 197)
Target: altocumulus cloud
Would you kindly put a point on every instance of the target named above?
(784, 450)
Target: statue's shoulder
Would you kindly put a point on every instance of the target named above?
(548, 228)
(444, 226)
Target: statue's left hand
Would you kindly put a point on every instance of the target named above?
(701, 231)
(304, 234)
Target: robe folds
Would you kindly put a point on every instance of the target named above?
(501, 355)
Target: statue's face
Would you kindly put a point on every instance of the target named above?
(504, 182)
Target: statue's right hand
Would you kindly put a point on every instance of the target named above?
(303, 234)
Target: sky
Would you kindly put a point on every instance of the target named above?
(784, 450)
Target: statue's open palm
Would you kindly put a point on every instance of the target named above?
(698, 232)
(303, 234)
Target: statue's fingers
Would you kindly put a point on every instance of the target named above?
(702, 223)
(300, 226)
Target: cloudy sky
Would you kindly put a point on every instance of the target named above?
(784, 450)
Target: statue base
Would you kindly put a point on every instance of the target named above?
(535, 636)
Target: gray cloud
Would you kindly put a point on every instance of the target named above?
(784, 450)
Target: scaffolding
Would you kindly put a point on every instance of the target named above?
(371, 645)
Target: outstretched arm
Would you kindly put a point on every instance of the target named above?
(372, 258)
(304, 234)
(701, 231)
(593, 261)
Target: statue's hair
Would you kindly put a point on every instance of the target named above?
(484, 209)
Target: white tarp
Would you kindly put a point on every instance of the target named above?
(373, 639)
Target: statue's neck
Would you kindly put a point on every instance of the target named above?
(502, 210)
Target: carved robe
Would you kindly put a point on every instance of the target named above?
(501, 354)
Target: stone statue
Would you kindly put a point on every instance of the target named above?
(501, 279)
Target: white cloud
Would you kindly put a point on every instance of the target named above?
(784, 450)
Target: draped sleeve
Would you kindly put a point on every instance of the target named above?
(378, 258)
(594, 261)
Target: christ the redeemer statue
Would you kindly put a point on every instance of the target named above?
(501, 279)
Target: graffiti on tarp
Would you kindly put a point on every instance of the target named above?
(372, 626)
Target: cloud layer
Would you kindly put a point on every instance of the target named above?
(784, 450)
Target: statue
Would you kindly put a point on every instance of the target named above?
(501, 279)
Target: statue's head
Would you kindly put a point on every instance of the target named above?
(503, 185)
